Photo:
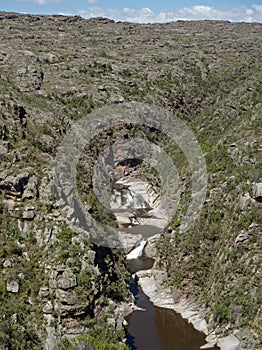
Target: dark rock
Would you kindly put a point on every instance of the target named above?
(14, 185)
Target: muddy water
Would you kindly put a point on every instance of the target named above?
(158, 328)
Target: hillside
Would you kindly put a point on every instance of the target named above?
(54, 70)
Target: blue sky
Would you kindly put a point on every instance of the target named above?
(143, 11)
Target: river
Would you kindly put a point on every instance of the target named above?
(137, 208)
(158, 328)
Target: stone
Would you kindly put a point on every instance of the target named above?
(21, 275)
(48, 308)
(31, 189)
(12, 286)
(257, 192)
(208, 346)
(69, 298)
(72, 310)
(52, 283)
(150, 250)
(3, 175)
(229, 343)
(111, 322)
(43, 292)
(51, 339)
(7, 263)
(25, 228)
(28, 213)
(242, 237)
(244, 200)
(70, 213)
(91, 254)
(14, 318)
(21, 71)
(67, 281)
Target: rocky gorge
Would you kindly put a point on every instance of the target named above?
(60, 290)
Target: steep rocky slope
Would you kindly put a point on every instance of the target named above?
(54, 70)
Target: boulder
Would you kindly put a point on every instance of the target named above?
(28, 213)
(14, 318)
(12, 286)
(7, 263)
(244, 200)
(43, 292)
(31, 189)
(257, 192)
(48, 308)
(229, 343)
(242, 237)
(150, 250)
(67, 281)
(91, 254)
(68, 298)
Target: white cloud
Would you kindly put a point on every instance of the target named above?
(258, 8)
(146, 15)
(91, 1)
(41, 2)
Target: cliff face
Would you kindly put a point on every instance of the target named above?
(53, 71)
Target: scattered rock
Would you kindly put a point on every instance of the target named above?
(48, 308)
(14, 318)
(31, 189)
(12, 286)
(43, 292)
(257, 192)
(28, 213)
(7, 263)
(244, 200)
(69, 298)
(242, 237)
(67, 281)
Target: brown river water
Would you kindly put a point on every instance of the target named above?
(158, 328)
